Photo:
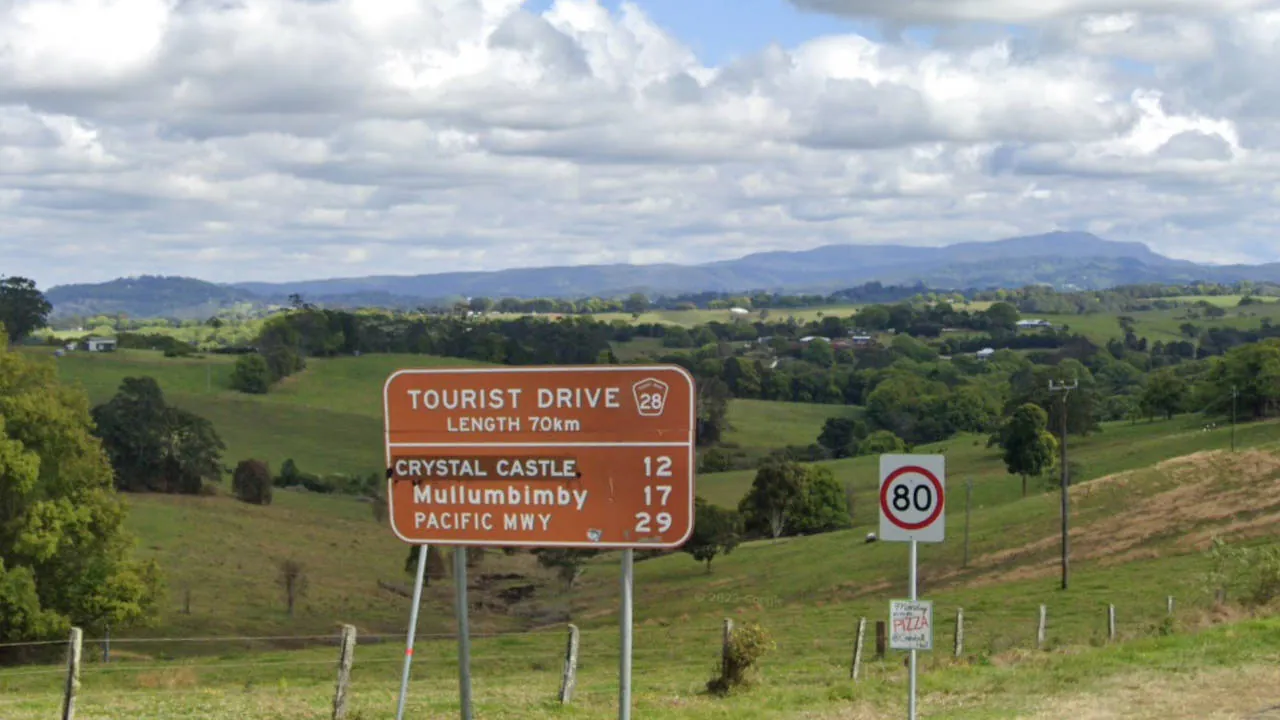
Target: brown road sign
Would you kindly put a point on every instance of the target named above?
(581, 456)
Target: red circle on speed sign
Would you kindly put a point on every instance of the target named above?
(887, 509)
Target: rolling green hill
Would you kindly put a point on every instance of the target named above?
(328, 418)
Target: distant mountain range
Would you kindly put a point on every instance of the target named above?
(1066, 260)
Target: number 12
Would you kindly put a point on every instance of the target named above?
(664, 466)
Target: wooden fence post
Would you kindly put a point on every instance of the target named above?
(1111, 622)
(881, 641)
(346, 656)
(1044, 617)
(570, 678)
(73, 674)
(857, 650)
(959, 632)
(1168, 602)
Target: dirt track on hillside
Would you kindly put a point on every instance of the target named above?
(1213, 493)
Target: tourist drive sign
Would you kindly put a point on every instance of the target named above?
(581, 456)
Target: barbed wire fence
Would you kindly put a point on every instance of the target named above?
(823, 644)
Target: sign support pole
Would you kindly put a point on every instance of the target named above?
(464, 629)
(413, 630)
(911, 702)
(624, 661)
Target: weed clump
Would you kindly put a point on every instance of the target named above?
(1251, 574)
(747, 644)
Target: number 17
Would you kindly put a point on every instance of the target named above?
(648, 493)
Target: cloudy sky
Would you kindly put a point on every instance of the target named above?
(291, 139)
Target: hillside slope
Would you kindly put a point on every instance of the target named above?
(220, 548)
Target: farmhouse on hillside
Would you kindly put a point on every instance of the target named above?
(94, 344)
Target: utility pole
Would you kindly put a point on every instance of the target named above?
(1064, 388)
(1235, 394)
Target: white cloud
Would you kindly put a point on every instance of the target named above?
(277, 139)
(1020, 11)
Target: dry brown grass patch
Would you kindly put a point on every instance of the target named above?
(168, 679)
(1148, 695)
(1210, 491)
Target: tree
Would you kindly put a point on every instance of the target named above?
(873, 317)
(1031, 385)
(823, 505)
(970, 409)
(251, 482)
(769, 504)
(65, 557)
(788, 498)
(716, 531)
(1164, 393)
(635, 303)
(23, 308)
(881, 442)
(154, 447)
(1028, 446)
(252, 374)
(289, 474)
(1002, 316)
(840, 435)
(713, 410)
(293, 581)
(1253, 371)
(742, 376)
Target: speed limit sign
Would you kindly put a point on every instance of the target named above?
(912, 498)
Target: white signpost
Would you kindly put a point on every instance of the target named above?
(912, 510)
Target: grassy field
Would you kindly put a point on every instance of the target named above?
(768, 424)
(1215, 672)
(1119, 446)
(1143, 509)
(1165, 325)
(328, 418)
(1136, 541)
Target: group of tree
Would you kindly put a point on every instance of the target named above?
(791, 498)
(65, 557)
(1122, 299)
(154, 446)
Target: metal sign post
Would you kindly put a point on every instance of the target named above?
(464, 632)
(911, 702)
(912, 510)
(594, 456)
(413, 630)
(624, 661)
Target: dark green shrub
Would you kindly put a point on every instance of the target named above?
(251, 482)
